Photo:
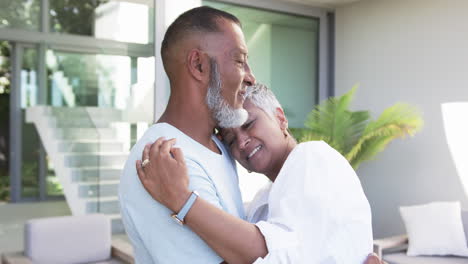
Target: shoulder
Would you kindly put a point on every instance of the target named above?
(314, 148)
(307, 153)
(150, 136)
(146, 220)
(316, 151)
(309, 164)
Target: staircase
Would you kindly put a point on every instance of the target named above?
(88, 151)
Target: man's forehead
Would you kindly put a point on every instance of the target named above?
(232, 33)
(220, 41)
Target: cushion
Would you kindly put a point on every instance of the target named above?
(69, 239)
(464, 215)
(435, 229)
(402, 258)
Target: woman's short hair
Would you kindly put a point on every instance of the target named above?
(262, 97)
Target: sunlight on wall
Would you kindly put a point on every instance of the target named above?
(456, 131)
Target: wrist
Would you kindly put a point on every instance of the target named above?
(180, 199)
(179, 216)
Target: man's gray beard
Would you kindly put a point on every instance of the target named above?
(223, 113)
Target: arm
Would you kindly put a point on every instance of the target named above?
(235, 240)
(166, 179)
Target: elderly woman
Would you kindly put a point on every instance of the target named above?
(315, 210)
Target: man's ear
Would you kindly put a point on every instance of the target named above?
(197, 63)
(282, 120)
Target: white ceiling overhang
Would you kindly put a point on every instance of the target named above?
(321, 3)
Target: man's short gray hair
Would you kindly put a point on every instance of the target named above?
(263, 98)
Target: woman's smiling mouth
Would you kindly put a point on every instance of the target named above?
(254, 151)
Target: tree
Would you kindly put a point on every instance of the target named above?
(74, 16)
(22, 14)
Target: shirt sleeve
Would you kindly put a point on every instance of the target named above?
(282, 244)
(155, 236)
(202, 183)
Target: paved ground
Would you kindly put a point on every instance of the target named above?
(13, 217)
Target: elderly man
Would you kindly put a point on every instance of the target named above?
(205, 57)
(202, 50)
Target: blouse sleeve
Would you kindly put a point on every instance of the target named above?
(296, 198)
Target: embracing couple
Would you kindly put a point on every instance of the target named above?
(314, 211)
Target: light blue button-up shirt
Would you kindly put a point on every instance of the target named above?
(155, 236)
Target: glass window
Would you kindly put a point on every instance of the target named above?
(30, 138)
(104, 19)
(21, 14)
(73, 78)
(283, 54)
(32, 154)
(100, 80)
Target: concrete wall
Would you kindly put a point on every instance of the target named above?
(414, 51)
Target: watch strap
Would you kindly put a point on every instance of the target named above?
(179, 217)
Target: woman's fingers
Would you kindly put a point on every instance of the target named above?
(166, 146)
(146, 150)
(140, 171)
(156, 146)
(145, 156)
(178, 155)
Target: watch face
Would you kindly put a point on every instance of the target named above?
(180, 222)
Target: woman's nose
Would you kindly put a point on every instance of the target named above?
(243, 142)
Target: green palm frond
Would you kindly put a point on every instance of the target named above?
(332, 122)
(352, 133)
(369, 149)
(396, 121)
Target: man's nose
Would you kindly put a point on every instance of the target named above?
(249, 78)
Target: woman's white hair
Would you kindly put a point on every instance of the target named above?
(263, 98)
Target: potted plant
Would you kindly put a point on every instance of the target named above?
(353, 133)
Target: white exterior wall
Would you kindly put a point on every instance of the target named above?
(414, 51)
(166, 12)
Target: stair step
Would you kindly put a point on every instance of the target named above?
(90, 146)
(110, 114)
(105, 205)
(101, 190)
(94, 174)
(78, 123)
(84, 133)
(95, 160)
(92, 109)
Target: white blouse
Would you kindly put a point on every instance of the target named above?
(315, 211)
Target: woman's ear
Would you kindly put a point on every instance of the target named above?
(282, 120)
(197, 64)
